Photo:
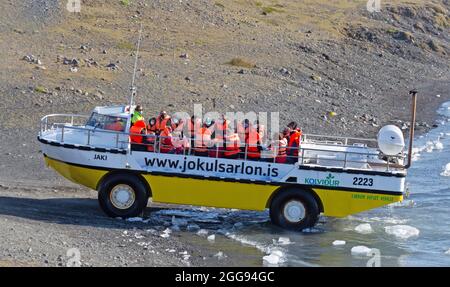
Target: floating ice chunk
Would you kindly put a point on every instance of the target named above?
(339, 242)
(447, 252)
(135, 219)
(284, 241)
(429, 146)
(364, 228)
(202, 232)
(238, 225)
(211, 238)
(361, 250)
(438, 145)
(446, 171)
(402, 231)
(275, 258)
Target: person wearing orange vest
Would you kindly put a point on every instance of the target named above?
(193, 125)
(253, 144)
(117, 125)
(162, 121)
(279, 148)
(220, 129)
(137, 133)
(165, 144)
(294, 142)
(232, 145)
(202, 141)
(242, 129)
(152, 128)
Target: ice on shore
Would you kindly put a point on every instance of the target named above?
(202, 232)
(220, 255)
(339, 242)
(211, 238)
(402, 231)
(364, 228)
(181, 222)
(275, 258)
(192, 228)
(361, 250)
(166, 233)
(446, 171)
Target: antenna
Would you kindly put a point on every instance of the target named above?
(133, 88)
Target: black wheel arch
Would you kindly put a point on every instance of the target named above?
(137, 175)
(298, 187)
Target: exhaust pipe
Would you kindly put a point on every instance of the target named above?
(412, 127)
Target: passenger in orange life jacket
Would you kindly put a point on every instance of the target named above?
(261, 129)
(180, 142)
(117, 125)
(253, 144)
(220, 130)
(193, 125)
(202, 141)
(162, 121)
(232, 144)
(279, 148)
(137, 135)
(152, 127)
(295, 135)
(242, 129)
(165, 141)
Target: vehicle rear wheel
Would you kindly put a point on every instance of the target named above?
(122, 195)
(294, 209)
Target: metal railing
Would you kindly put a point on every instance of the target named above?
(366, 158)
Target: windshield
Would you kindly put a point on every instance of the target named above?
(106, 122)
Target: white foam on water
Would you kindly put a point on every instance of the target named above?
(438, 145)
(402, 231)
(339, 242)
(364, 228)
(361, 250)
(446, 170)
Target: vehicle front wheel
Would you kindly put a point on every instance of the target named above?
(294, 209)
(123, 196)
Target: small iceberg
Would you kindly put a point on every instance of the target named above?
(402, 231)
(447, 252)
(339, 242)
(361, 250)
(284, 241)
(364, 228)
(446, 171)
(275, 258)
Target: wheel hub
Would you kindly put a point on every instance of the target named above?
(122, 196)
(294, 211)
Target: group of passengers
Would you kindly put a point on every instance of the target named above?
(218, 139)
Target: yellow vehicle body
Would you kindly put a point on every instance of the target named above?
(228, 194)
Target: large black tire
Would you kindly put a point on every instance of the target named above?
(294, 209)
(131, 186)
